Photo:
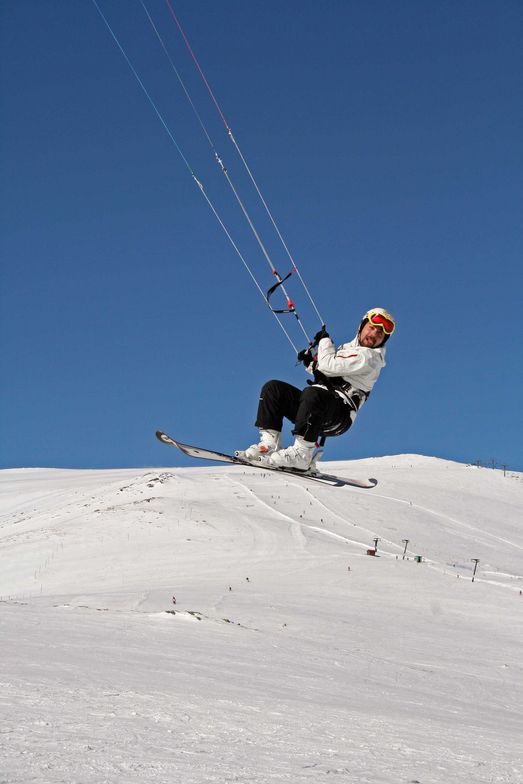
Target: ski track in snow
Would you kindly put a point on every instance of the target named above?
(453, 520)
(395, 549)
(288, 656)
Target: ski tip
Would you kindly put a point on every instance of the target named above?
(373, 482)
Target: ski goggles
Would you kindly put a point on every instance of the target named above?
(379, 319)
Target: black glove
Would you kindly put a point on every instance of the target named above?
(321, 334)
(305, 356)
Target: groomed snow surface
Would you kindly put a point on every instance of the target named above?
(221, 624)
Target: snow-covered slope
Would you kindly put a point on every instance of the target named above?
(289, 655)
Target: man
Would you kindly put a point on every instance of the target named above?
(343, 379)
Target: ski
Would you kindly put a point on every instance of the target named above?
(317, 476)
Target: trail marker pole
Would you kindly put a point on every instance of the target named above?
(405, 542)
(476, 562)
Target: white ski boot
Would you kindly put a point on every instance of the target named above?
(270, 441)
(298, 456)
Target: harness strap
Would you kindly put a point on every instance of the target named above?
(353, 396)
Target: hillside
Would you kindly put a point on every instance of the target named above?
(219, 624)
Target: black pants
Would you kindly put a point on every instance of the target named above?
(314, 411)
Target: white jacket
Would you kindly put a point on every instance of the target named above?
(357, 365)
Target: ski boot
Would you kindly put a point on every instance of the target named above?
(270, 442)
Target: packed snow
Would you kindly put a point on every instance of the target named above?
(222, 624)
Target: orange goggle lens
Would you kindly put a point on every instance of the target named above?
(379, 320)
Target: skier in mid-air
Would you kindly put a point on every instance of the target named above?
(343, 379)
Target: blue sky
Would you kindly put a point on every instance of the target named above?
(387, 140)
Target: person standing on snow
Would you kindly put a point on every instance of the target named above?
(343, 379)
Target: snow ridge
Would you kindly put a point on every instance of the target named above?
(219, 624)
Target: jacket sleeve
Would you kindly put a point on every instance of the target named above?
(347, 360)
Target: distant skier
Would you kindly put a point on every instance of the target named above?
(343, 379)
